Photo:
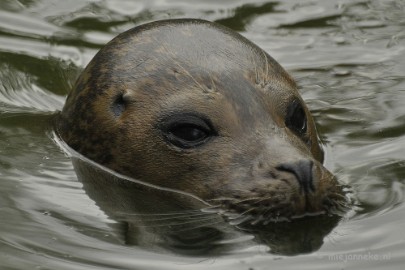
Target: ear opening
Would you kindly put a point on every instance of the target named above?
(119, 104)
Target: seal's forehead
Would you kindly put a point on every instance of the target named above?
(196, 43)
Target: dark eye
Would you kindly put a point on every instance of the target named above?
(187, 131)
(296, 119)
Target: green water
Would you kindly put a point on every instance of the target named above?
(348, 58)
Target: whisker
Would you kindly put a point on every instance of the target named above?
(200, 225)
(177, 222)
(188, 213)
(238, 201)
(240, 220)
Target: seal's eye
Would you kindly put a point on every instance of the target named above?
(296, 119)
(187, 131)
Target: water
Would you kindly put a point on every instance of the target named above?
(347, 56)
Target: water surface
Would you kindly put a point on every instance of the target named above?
(348, 58)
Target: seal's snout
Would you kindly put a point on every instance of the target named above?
(302, 170)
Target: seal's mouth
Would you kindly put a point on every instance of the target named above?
(281, 207)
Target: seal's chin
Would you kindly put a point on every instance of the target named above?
(274, 207)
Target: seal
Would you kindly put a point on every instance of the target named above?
(193, 106)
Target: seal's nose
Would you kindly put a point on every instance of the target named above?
(302, 171)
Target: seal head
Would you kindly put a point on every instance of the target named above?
(193, 106)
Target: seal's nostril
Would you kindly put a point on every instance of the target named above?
(302, 170)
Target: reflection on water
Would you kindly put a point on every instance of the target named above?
(348, 58)
(154, 217)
